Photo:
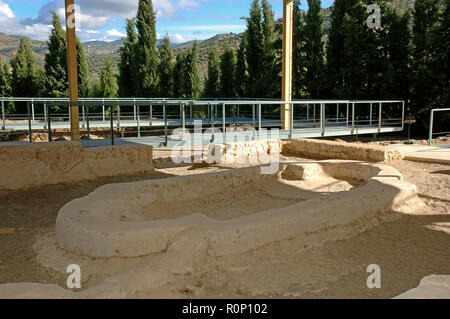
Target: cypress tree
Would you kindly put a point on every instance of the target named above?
(335, 47)
(212, 83)
(82, 71)
(56, 61)
(146, 54)
(314, 50)
(268, 25)
(255, 50)
(165, 69)
(241, 75)
(179, 75)
(228, 69)
(127, 74)
(423, 79)
(191, 73)
(5, 84)
(25, 81)
(298, 53)
(108, 81)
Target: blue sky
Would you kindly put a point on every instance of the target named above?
(183, 20)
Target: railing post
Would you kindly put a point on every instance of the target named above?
(431, 128)
(111, 123)
(165, 124)
(138, 121)
(291, 120)
(370, 116)
(88, 128)
(3, 116)
(379, 117)
(83, 114)
(118, 115)
(32, 108)
(30, 131)
(47, 110)
(183, 117)
(253, 115)
(322, 107)
(353, 117)
(103, 109)
(337, 113)
(224, 119)
(190, 111)
(314, 115)
(45, 116)
(151, 115)
(346, 118)
(134, 110)
(259, 117)
(307, 114)
(212, 124)
(403, 115)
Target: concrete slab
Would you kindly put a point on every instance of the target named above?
(432, 154)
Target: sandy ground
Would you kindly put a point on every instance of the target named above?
(407, 247)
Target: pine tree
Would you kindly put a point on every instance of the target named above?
(108, 81)
(82, 71)
(146, 54)
(241, 75)
(212, 83)
(25, 80)
(127, 70)
(255, 50)
(228, 69)
(56, 61)
(165, 68)
(314, 50)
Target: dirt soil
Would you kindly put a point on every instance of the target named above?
(407, 247)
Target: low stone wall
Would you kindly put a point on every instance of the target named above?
(24, 166)
(323, 149)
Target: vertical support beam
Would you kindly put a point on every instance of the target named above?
(286, 87)
(72, 70)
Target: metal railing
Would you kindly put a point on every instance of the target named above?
(432, 123)
(161, 115)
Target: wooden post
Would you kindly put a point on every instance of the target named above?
(72, 70)
(286, 87)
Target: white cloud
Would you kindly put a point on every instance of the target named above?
(6, 10)
(115, 33)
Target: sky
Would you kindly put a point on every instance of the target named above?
(104, 20)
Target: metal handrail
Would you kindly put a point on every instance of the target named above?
(432, 122)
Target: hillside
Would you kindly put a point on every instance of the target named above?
(98, 51)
